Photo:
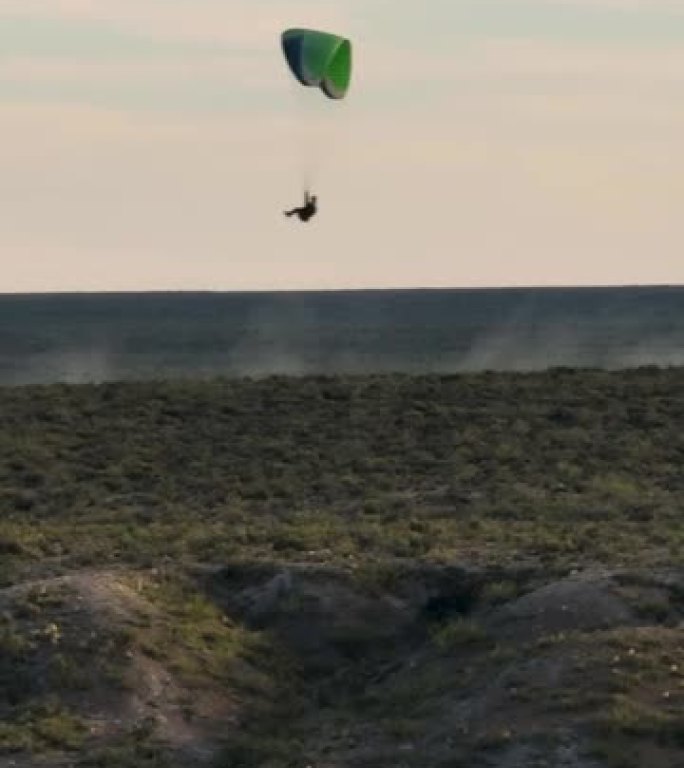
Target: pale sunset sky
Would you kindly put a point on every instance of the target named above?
(153, 145)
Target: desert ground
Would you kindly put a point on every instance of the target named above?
(471, 571)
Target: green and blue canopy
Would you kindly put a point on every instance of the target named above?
(319, 59)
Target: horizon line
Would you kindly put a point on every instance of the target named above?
(370, 289)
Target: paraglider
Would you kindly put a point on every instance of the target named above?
(319, 60)
(306, 211)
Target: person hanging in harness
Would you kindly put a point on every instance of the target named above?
(306, 211)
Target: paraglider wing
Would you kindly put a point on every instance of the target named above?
(319, 59)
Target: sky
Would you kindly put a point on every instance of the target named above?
(153, 145)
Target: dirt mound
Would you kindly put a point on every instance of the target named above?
(76, 639)
(582, 603)
(322, 616)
